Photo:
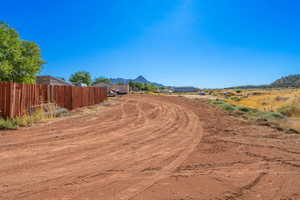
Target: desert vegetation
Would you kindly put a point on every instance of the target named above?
(44, 113)
(277, 105)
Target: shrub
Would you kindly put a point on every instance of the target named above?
(28, 120)
(223, 105)
(8, 124)
(235, 98)
(39, 115)
(272, 115)
(289, 110)
(216, 101)
(227, 107)
(24, 121)
(279, 98)
(243, 109)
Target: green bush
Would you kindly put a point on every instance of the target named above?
(8, 124)
(227, 107)
(235, 98)
(272, 115)
(216, 101)
(243, 109)
(24, 121)
(223, 105)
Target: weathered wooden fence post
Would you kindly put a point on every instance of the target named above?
(12, 99)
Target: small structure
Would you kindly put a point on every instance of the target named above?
(50, 80)
(185, 89)
(103, 85)
(165, 90)
(120, 89)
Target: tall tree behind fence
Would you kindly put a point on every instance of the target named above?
(18, 99)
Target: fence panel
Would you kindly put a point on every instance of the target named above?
(4, 99)
(18, 99)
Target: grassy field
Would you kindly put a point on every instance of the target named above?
(283, 101)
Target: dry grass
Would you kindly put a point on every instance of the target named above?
(44, 113)
(293, 123)
(267, 100)
(284, 101)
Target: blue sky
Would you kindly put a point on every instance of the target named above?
(204, 43)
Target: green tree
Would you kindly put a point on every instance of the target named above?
(142, 86)
(20, 60)
(136, 85)
(149, 87)
(81, 78)
(102, 80)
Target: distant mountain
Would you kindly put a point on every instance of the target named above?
(139, 79)
(250, 87)
(287, 81)
(119, 80)
(291, 81)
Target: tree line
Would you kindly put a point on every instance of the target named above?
(85, 78)
(82, 77)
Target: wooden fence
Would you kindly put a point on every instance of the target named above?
(17, 99)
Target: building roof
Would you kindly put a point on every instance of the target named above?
(50, 80)
(106, 85)
(124, 88)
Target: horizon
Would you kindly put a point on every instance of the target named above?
(203, 44)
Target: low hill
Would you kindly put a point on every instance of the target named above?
(291, 81)
(250, 87)
(287, 81)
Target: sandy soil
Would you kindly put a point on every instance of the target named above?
(150, 148)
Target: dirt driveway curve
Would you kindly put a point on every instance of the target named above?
(150, 148)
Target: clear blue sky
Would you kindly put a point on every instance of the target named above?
(204, 43)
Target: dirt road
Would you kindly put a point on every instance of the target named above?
(150, 148)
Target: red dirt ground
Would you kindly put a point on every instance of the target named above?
(150, 148)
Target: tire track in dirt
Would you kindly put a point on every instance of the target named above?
(104, 152)
(166, 171)
(148, 128)
(174, 166)
(150, 148)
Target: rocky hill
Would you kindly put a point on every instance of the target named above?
(291, 81)
(287, 81)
